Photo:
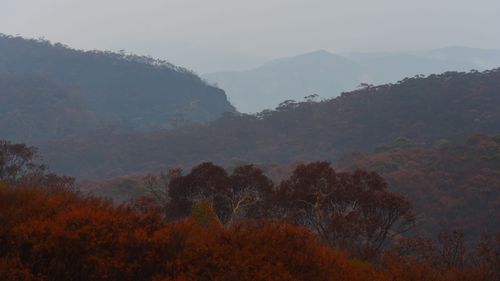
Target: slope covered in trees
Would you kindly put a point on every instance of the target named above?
(139, 91)
(450, 186)
(423, 110)
(35, 109)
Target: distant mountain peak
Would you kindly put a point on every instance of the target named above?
(311, 57)
(320, 52)
(328, 74)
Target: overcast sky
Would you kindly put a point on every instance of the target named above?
(211, 35)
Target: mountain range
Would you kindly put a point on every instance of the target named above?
(328, 75)
(420, 111)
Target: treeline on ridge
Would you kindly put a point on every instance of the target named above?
(126, 92)
(452, 106)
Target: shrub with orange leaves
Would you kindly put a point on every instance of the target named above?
(55, 234)
(60, 235)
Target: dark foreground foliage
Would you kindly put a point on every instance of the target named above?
(61, 235)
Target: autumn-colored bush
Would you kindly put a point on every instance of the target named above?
(60, 235)
(55, 234)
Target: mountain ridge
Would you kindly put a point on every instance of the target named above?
(143, 92)
(451, 106)
(277, 80)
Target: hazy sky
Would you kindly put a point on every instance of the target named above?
(211, 35)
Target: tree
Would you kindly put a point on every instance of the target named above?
(18, 162)
(205, 182)
(489, 253)
(350, 211)
(241, 194)
(158, 186)
(19, 166)
(286, 105)
(249, 191)
(311, 98)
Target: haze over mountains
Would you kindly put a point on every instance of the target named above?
(435, 139)
(112, 121)
(452, 107)
(103, 102)
(249, 140)
(133, 92)
(327, 75)
(103, 115)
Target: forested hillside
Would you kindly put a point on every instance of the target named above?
(421, 111)
(34, 109)
(450, 186)
(139, 92)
